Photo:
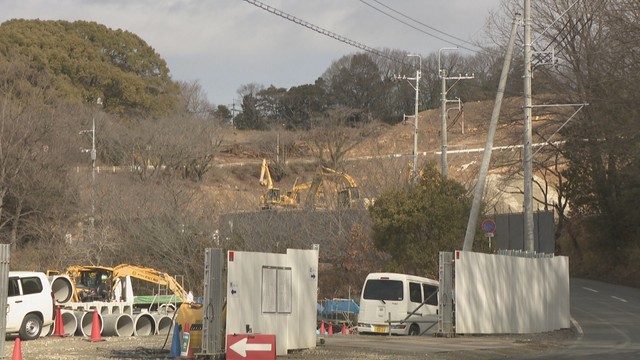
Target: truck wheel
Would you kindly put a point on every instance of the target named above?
(414, 330)
(31, 327)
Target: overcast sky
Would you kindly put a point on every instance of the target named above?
(228, 43)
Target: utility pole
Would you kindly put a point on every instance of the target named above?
(93, 174)
(442, 73)
(527, 150)
(93, 155)
(486, 157)
(234, 111)
(414, 170)
(415, 121)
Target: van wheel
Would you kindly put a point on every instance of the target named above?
(31, 327)
(414, 330)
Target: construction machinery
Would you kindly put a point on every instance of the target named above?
(91, 283)
(272, 197)
(153, 276)
(99, 283)
(325, 181)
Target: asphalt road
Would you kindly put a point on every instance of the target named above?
(606, 320)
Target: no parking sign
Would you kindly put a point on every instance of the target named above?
(489, 226)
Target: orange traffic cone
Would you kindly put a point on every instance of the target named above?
(59, 326)
(322, 330)
(17, 350)
(95, 328)
(344, 329)
(330, 328)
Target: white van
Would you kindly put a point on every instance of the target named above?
(30, 304)
(398, 304)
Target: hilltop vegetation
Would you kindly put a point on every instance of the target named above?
(87, 61)
(167, 192)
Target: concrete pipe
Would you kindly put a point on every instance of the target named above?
(117, 309)
(118, 325)
(164, 324)
(144, 325)
(62, 288)
(85, 322)
(69, 322)
(166, 309)
(127, 309)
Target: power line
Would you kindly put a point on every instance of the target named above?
(324, 31)
(421, 23)
(556, 19)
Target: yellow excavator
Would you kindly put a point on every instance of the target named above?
(346, 188)
(153, 276)
(327, 180)
(272, 197)
(91, 283)
(98, 283)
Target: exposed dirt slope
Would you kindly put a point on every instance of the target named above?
(234, 184)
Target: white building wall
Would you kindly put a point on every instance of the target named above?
(508, 294)
(293, 330)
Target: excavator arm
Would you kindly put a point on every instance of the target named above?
(345, 186)
(271, 196)
(153, 276)
(265, 175)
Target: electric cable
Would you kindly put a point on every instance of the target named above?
(325, 31)
(423, 24)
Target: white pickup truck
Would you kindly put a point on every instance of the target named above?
(30, 304)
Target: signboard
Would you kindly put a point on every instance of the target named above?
(489, 226)
(251, 346)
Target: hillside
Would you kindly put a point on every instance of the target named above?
(379, 162)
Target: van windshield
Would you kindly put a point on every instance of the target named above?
(376, 289)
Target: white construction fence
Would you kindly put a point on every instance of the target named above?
(510, 294)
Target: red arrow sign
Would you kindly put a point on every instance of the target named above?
(253, 347)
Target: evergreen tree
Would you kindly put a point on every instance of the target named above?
(413, 225)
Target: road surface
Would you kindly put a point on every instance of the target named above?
(606, 319)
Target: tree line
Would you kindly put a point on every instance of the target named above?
(373, 86)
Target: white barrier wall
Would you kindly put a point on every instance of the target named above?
(274, 294)
(509, 294)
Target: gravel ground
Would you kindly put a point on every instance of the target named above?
(151, 347)
(77, 348)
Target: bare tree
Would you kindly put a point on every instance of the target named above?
(193, 100)
(336, 135)
(31, 150)
(184, 146)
